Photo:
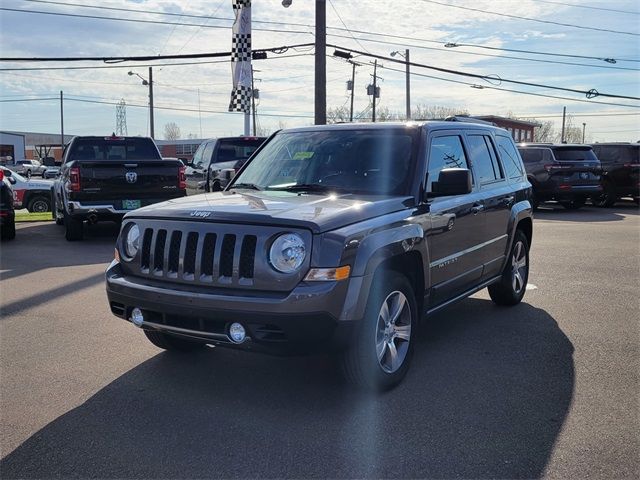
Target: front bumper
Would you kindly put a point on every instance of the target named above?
(310, 318)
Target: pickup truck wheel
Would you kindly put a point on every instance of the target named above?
(513, 284)
(608, 196)
(381, 353)
(171, 343)
(39, 204)
(73, 228)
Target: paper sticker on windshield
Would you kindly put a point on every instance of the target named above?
(303, 155)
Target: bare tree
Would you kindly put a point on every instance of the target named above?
(337, 115)
(432, 112)
(572, 133)
(171, 131)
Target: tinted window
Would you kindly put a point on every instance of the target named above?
(237, 149)
(617, 153)
(445, 152)
(206, 155)
(483, 162)
(531, 155)
(116, 149)
(359, 161)
(509, 155)
(574, 154)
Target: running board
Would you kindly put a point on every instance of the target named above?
(464, 295)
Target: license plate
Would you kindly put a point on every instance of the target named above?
(130, 204)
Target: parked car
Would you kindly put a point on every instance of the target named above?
(102, 178)
(7, 212)
(332, 237)
(566, 173)
(621, 172)
(29, 167)
(51, 172)
(34, 195)
(217, 160)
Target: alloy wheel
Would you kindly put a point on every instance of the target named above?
(393, 331)
(518, 267)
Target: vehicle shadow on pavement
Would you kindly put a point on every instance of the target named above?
(588, 213)
(486, 397)
(42, 245)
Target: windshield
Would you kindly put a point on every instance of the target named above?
(365, 161)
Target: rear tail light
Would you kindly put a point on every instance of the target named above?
(1, 175)
(74, 179)
(565, 187)
(182, 180)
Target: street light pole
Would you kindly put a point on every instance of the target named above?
(151, 102)
(353, 87)
(375, 86)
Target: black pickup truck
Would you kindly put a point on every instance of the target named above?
(102, 178)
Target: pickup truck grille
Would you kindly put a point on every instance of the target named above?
(190, 255)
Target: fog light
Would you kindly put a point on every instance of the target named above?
(137, 318)
(237, 332)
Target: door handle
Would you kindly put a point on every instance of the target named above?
(477, 208)
(508, 200)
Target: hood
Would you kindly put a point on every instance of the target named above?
(318, 213)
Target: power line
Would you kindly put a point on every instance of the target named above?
(489, 78)
(448, 45)
(304, 25)
(345, 25)
(483, 87)
(129, 66)
(346, 29)
(587, 6)
(529, 19)
(156, 22)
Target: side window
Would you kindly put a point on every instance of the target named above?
(197, 157)
(483, 162)
(510, 158)
(531, 155)
(445, 152)
(207, 154)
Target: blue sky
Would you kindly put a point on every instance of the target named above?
(286, 84)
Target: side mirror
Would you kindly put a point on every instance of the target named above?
(228, 174)
(452, 181)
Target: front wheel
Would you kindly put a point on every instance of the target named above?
(171, 343)
(513, 284)
(380, 355)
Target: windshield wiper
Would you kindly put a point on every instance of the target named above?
(307, 187)
(250, 186)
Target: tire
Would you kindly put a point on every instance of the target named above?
(370, 362)
(607, 198)
(171, 343)
(573, 204)
(55, 214)
(39, 204)
(8, 231)
(513, 284)
(73, 228)
(27, 174)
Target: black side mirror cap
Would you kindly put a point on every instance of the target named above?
(452, 181)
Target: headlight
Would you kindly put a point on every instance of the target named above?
(287, 253)
(132, 242)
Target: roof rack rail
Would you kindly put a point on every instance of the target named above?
(467, 119)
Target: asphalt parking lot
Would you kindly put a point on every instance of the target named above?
(548, 388)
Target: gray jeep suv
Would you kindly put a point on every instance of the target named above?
(332, 237)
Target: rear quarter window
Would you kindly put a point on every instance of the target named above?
(510, 157)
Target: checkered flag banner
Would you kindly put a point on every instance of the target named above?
(241, 57)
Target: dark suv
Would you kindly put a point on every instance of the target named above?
(7, 212)
(566, 173)
(621, 172)
(340, 236)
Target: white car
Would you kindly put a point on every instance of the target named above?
(34, 195)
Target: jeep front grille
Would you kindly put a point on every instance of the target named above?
(191, 255)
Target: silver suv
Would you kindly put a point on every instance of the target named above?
(334, 237)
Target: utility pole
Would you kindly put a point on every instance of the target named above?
(564, 116)
(151, 102)
(375, 87)
(408, 86)
(61, 121)
(199, 113)
(253, 102)
(584, 125)
(321, 63)
(353, 87)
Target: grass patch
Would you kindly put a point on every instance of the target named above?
(33, 217)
